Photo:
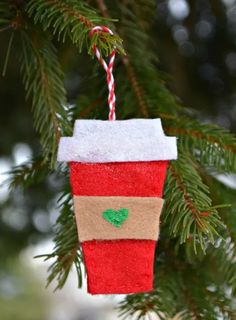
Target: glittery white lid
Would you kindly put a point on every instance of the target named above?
(117, 141)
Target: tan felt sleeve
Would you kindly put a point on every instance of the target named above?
(142, 222)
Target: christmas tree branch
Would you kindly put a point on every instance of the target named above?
(221, 194)
(224, 255)
(181, 276)
(141, 305)
(188, 211)
(6, 16)
(27, 174)
(44, 80)
(66, 252)
(66, 8)
(224, 259)
(201, 136)
(73, 19)
(211, 145)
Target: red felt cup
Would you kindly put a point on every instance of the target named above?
(123, 158)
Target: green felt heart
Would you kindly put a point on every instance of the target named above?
(116, 217)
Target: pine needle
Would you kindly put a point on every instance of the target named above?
(7, 54)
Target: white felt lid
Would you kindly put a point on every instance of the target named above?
(117, 141)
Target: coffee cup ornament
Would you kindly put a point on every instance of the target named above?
(117, 173)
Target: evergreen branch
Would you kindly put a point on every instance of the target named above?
(72, 11)
(140, 305)
(224, 259)
(66, 252)
(188, 211)
(211, 145)
(193, 310)
(6, 16)
(73, 19)
(178, 278)
(205, 299)
(215, 138)
(27, 174)
(10, 15)
(199, 301)
(9, 20)
(43, 79)
(222, 194)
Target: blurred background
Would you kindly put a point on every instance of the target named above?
(196, 43)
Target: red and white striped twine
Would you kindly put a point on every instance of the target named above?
(108, 68)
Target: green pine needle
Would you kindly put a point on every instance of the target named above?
(7, 54)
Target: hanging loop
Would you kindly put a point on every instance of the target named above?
(108, 68)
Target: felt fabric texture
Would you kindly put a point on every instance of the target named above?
(82, 126)
(119, 267)
(142, 222)
(98, 141)
(140, 179)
